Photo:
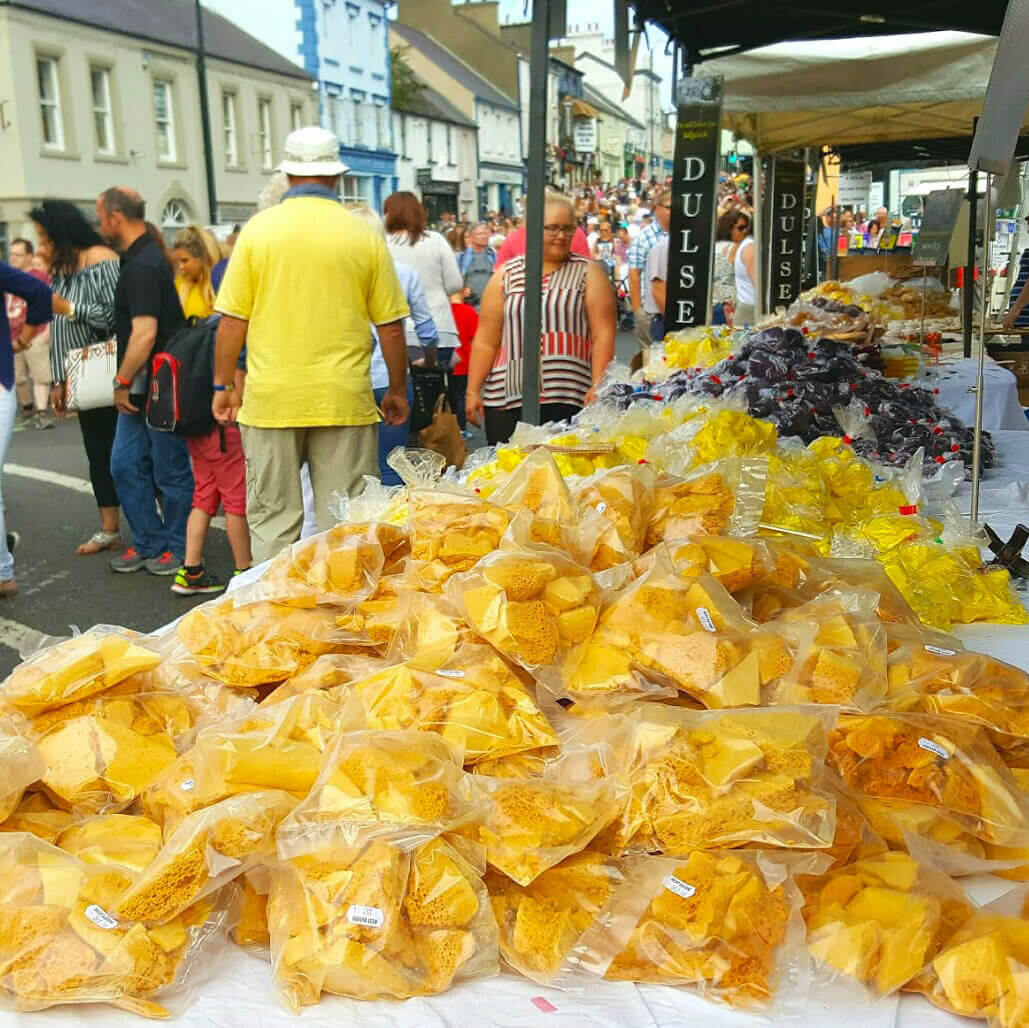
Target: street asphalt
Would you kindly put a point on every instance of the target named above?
(47, 499)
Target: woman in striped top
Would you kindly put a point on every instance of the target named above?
(577, 340)
(1018, 314)
(84, 273)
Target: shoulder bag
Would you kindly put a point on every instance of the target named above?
(88, 374)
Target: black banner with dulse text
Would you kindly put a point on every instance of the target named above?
(786, 242)
(694, 194)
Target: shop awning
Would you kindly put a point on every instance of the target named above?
(582, 109)
(733, 26)
(924, 86)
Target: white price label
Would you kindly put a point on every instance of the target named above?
(679, 887)
(450, 673)
(100, 917)
(370, 917)
(704, 617)
(940, 651)
(188, 785)
(601, 508)
(933, 747)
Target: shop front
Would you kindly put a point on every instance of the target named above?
(438, 197)
(370, 176)
(499, 184)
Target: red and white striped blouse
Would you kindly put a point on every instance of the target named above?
(566, 369)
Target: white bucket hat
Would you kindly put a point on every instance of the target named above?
(312, 150)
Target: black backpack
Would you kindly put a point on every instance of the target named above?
(182, 381)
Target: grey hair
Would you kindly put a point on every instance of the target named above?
(366, 214)
(272, 191)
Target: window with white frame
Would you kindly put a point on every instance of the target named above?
(164, 120)
(264, 132)
(230, 138)
(103, 118)
(175, 215)
(50, 102)
(355, 188)
(356, 122)
(332, 113)
(296, 117)
(403, 135)
(382, 132)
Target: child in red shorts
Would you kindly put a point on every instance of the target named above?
(220, 477)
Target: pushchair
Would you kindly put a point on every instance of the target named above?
(623, 303)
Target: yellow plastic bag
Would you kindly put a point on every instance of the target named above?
(406, 786)
(880, 921)
(21, 764)
(533, 604)
(207, 850)
(709, 779)
(540, 923)
(126, 841)
(61, 942)
(726, 923)
(38, 816)
(473, 700)
(614, 508)
(533, 824)
(375, 921)
(77, 668)
(450, 532)
(939, 762)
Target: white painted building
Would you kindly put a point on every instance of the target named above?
(100, 94)
(436, 154)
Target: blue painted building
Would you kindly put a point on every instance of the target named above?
(344, 45)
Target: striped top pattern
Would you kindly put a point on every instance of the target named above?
(90, 290)
(566, 370)
(1022, 321)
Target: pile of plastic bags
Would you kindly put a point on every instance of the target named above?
(576, 729)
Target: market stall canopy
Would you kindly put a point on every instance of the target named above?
(731, 26)
(909, 87)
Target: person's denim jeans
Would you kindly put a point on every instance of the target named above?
(8, 412)
(391, 436)
(143, 463)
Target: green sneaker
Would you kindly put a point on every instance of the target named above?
(196, 585)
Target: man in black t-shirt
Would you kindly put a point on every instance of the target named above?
(144, 462)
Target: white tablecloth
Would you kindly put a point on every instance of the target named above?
(1001, 406)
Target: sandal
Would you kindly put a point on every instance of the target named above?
(98, 542)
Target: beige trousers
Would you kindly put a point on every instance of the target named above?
(338, 458)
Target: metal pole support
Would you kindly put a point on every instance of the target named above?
(532, 312)
(977, 444)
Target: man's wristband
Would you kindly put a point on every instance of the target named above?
(224, 388)
(122, 382)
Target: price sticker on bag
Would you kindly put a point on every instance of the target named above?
(940, 651)
(681, 889)
(450, 672)
(704, 617)
(188, 785)
(100, 917)
(934, 747)
(370, 917)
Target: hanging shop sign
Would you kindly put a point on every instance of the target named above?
(786, 238)
(932, 244)
(853, 189)
(584, 135)
(694, 197)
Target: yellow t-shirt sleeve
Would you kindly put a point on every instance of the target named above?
(236, 295)
(386, 300)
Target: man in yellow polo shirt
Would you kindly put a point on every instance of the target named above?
(305, 282)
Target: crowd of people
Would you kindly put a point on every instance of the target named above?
(320, 316)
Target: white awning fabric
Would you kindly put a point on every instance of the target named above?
(855, 90)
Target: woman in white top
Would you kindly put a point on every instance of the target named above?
(723, 285)
(431, 256)
(743, 266)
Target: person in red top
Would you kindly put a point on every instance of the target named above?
(514, 246)
(467, 321)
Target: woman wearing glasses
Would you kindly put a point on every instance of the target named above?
(744, 271)
(577, 340)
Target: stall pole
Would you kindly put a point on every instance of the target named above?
(759, 263)
(978, 443)
(921, 330)
(968, 295)
(532, 313)
(766, 302)
(832, 265)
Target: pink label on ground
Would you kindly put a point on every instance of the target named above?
(544, 1006)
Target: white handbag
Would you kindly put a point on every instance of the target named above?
(88, 374)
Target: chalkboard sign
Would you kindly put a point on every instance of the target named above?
(787, 235)
(932, 244)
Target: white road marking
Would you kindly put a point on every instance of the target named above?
(79, 485)
(21, 638)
